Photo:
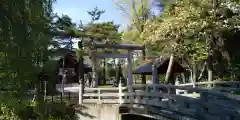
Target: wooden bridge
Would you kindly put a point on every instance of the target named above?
(169, 101)
(158, 101)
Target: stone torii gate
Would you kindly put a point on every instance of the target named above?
(130, 48)
(94, 55)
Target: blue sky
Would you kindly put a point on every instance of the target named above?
(77, 10)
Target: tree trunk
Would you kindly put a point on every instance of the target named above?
(210, 70)
(194, 76)
(81, 73)
(169, 70)
(104, 72)
(202, 71)
(183, 78)
(40, 98)
(233, 73)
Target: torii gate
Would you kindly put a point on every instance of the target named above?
(130, 48)
(94, 55)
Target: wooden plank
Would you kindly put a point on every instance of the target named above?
(159, 113)
(102, 101)
(220, 109)
(110, 101)
(175, 87)
(157, 103)
(226, 89)
(210, 117)
(213, 82)
(227, 95)
(101, 95)
(144, 94)
(162, 96)
(102, 89)
(186, 111)
(90, 101)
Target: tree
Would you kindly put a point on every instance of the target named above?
(24, 46)
(64, 23)
(95, 14)
(198, 28)
(138, 12)
(105, 32)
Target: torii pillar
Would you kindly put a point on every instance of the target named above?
(129, 71)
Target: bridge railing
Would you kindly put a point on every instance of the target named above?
(222, 86)
(209, 105)
(215, 84)
(112, 95)
(102, 95)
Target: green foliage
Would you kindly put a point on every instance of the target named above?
(105, 32)
(57, 111)
(24, 29)
(194, 29)
(64, 22)
(138, 11)
(54, 111)
(95, 14)
(27, 29)
(195, 52)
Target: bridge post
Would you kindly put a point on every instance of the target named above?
(45, 90)
(169, 92)
(200, 109)
(154, 76)
(129, 71)
(64, 77)
(99, 95)
(120, 92)
(144, 58)
(177, 83)
(154, 73)
(95, 76)
(80, 93)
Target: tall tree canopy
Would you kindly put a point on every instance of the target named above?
(24, 29)
(197, 30)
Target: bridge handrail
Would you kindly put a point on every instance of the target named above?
(199, 90)
(210, 83)
(152, 95)
(159, 86)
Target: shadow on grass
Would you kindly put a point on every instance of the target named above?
(80, 110)
(66, 111)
